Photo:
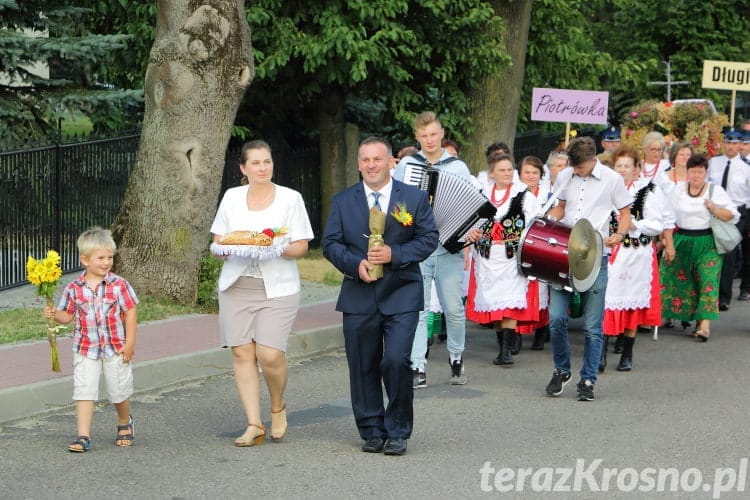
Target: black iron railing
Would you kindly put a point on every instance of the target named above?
(49, 195)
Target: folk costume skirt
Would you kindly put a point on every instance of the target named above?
(497, 291)
(633, 295)
(690, 283)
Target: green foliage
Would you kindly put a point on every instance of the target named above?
(620, 45)
(208, 280)
(414, 55)
(685, 33)
(49, 36)
(565, 52)
(135, 19)
(240, 132)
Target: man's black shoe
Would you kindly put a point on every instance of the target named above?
(395, 446)
(558, 382)
(373, 445)
(585, 390)
(744, 295)
(723, 307)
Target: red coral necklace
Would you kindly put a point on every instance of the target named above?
(650, 173)
(505, 196)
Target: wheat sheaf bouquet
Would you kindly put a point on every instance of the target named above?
(45, 274)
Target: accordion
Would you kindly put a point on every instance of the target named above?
(456, 204)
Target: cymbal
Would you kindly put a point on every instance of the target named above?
(583, 252)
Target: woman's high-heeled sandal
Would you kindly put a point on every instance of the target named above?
(702, 336)
(250, 439)
(278, 431)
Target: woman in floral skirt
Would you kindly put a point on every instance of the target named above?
(690, 280)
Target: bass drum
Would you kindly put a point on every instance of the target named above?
(565, 257)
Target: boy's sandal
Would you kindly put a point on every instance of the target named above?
(80, 445)
(125, 439)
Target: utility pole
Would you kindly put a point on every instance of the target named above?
(669, 81)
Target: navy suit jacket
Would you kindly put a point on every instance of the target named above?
(400, 289)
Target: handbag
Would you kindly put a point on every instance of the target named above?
(726, 234)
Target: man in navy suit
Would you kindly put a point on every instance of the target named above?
(380, 315)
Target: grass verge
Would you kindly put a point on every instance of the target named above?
(18, 325)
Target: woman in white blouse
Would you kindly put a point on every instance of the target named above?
(498, 293)
(633, 291)
(259, 299)
(690, 279)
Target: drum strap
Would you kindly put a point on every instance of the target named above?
(640, 199)
(637, 212)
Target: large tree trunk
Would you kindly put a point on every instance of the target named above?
(199, 67)
(332, 126)
(495, 103)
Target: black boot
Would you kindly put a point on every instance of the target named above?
(626, 360)
(505, 338)
(509, 335)
(538, 344)
(618, 344)
(516, 345)
(501, 344)
(603, 358)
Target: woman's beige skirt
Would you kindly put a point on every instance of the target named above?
(246, 315)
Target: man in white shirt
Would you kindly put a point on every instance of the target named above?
(588, 190)
(733, 174)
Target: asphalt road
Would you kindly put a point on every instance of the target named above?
(685, 406)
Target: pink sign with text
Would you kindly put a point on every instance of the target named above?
(573, 106)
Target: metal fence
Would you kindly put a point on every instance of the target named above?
(49, 195)
(541, 144)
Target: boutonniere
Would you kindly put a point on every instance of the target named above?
(402, 215)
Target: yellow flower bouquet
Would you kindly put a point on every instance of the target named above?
(45, 274)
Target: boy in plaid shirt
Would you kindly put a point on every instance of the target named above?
(102, 306)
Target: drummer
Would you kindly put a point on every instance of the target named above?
(633, 263)
(587, 190)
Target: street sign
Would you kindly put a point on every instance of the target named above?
(726, 75)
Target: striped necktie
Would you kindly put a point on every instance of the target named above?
(377, 196)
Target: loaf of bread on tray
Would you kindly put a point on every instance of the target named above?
(246, 238)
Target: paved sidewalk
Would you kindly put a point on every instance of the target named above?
(168, 352)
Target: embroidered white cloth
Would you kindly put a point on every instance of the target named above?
(629, 278)
(249, 251)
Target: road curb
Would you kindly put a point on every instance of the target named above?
(54, 395)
